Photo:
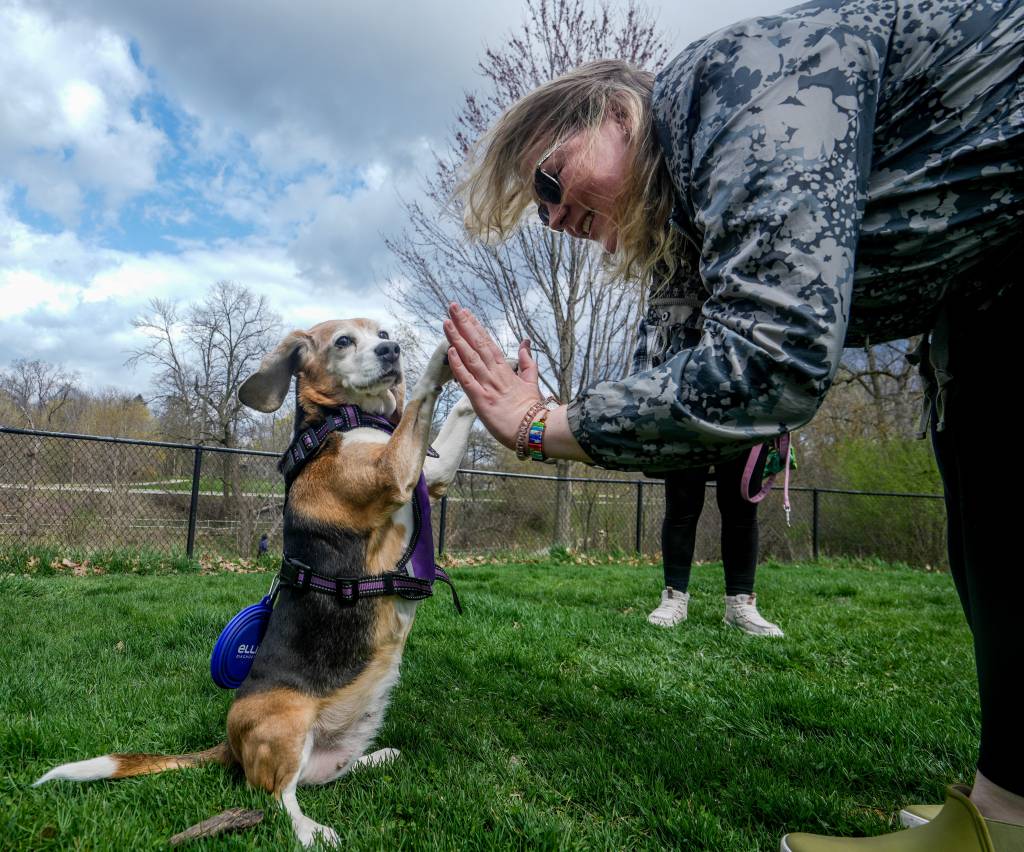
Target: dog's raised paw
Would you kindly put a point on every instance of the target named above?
(463, 408)
(438, 371)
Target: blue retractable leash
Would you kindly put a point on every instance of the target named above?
(238, 643)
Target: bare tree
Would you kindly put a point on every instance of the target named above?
(38, 392)
(540, 284)
(202, 354)
(876, 395)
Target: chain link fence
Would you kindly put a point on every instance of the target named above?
(95, 494)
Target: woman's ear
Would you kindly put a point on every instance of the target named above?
(266, 389)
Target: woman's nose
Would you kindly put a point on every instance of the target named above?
(553, 215)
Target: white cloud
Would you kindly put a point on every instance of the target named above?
(302, 124)
(67, 125)
(66, 301)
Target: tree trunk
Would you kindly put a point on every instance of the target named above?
(563, 505)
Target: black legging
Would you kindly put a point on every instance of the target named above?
(684, 500)
(983, 513)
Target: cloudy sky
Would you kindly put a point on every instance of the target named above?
(150, 149)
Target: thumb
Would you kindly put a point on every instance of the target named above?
(527, 365)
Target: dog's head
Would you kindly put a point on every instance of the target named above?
(340, 362)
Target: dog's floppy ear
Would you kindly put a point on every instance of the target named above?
(266, 389)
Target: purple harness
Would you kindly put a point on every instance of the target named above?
(415, 573)
(413, 577)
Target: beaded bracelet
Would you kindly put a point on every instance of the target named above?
(535, 437)
(522, 434)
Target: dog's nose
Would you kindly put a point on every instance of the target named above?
(387, 351)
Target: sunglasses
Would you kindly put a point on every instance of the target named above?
(546, 186)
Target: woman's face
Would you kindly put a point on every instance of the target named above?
(591, 169)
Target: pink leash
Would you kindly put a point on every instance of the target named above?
(752, 464)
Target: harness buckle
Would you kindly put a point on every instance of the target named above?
(346, 592)
(307, 578)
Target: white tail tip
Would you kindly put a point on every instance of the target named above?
(83, 770)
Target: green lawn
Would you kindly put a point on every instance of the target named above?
(550, 715)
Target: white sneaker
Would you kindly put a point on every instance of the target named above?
(741, 611)
(672, 608)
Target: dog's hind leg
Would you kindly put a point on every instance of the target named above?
(451, 443)
(307, 830)
(272, 733)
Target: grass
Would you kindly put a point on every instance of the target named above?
(57, 560)
(551, 715)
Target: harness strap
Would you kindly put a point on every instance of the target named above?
(415, 571)
(309, 441)
(348, 590)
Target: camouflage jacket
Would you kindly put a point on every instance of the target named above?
(840, 169)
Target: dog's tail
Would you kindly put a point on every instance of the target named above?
(127, 765)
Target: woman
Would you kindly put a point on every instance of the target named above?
(842, 172)
(684, 501)
(670, 326)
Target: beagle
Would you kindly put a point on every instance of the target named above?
(318, 688)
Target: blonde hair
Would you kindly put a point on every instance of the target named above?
(498, 184)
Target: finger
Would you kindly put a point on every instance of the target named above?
(487, 346)
(462, 335)
(467, 354)
(527, 365)
(473, 330)
(463, 376)
(451, 331)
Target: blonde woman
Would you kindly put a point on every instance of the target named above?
(845, 171)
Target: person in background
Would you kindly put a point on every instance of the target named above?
(670, 325)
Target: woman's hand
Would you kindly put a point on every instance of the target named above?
(499, 395)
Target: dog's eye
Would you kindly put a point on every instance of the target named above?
(383, 335)
(343, 341)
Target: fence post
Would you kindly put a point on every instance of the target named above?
(441, 525)
(814, 523)
(639, 518)
(193, 509)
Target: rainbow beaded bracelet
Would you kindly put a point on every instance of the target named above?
(535, 438)
(522, 447)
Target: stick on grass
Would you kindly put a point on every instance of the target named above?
(233, 819)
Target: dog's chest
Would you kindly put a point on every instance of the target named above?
(402, 519)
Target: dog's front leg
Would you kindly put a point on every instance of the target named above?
(402, 458)
(451, 443)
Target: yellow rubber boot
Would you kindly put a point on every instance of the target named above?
(958, 827)
(914, 815)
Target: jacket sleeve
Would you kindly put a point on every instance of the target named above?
(769, 148)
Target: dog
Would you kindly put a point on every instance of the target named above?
(318, 688)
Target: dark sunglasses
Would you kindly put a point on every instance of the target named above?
(546, 186)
